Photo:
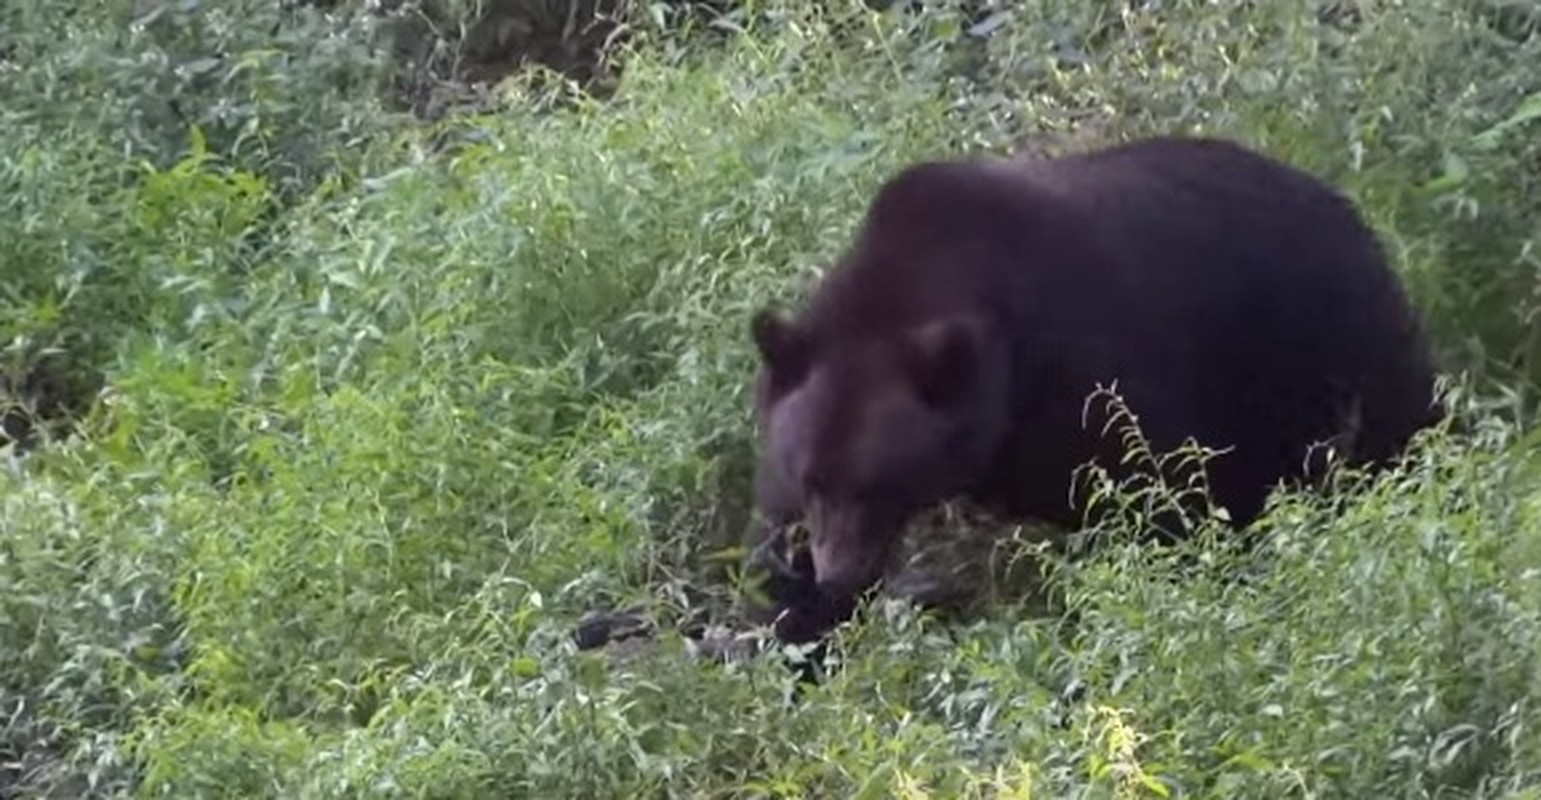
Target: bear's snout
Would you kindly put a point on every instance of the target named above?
(850, 548)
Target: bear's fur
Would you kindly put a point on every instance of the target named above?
(951, 352)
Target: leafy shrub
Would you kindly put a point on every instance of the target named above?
(373, 437)
(96, 171)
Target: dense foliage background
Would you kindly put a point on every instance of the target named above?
(357, 355)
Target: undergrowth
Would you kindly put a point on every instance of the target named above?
(371, 413)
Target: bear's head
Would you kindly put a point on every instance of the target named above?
(859, 434)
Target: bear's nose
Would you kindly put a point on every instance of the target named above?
(842, 574)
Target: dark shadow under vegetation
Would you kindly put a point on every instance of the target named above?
(356, 410)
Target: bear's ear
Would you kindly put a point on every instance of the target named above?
(943, 359)
(782, 345)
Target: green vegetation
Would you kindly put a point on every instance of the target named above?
(369, 411)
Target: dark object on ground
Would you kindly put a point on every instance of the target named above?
(952, 351)
(631, 631)
(41, 398)
(598, 630)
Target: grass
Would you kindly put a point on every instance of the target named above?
(377, 411)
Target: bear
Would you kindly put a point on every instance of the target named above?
(1227, 297)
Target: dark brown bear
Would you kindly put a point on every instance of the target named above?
(952, 350)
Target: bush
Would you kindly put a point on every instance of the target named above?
(120, 120)
(380, 422)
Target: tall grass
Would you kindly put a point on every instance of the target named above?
(384, 410)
